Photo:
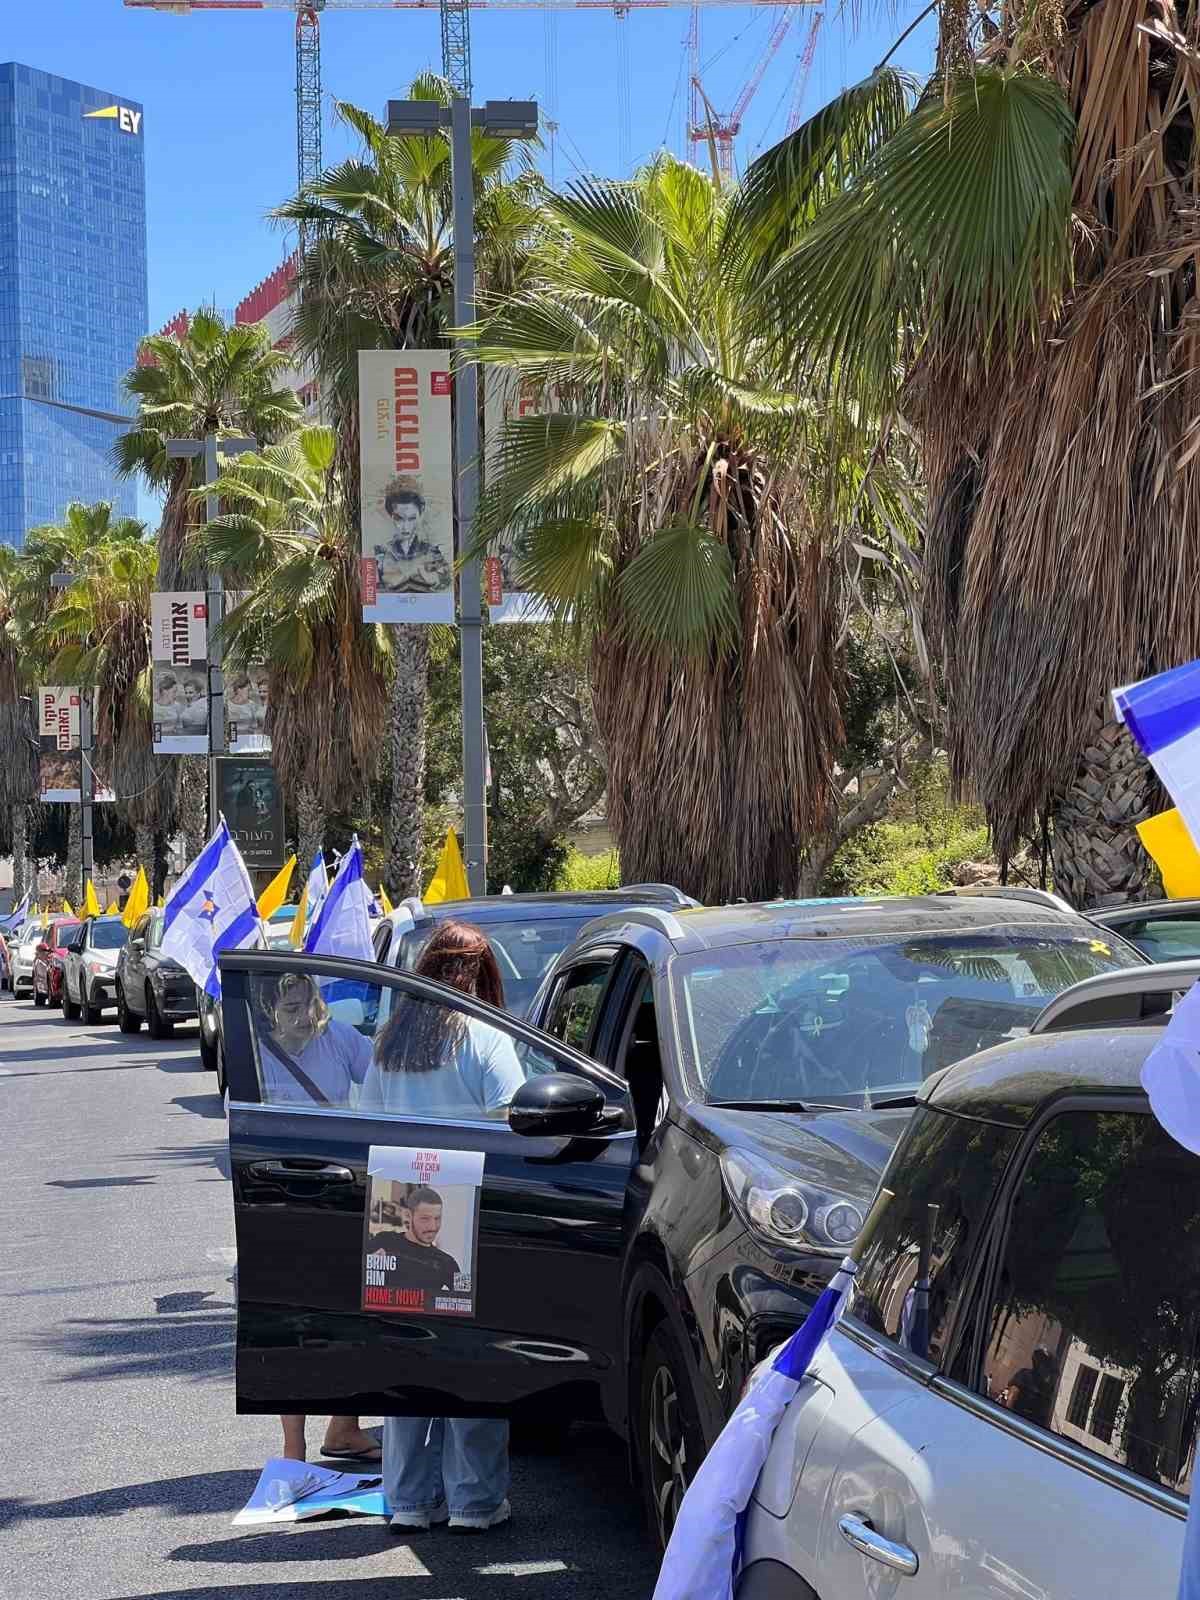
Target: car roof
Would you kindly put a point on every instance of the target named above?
(1137, 910)
(585, 903)
(1009, 1082)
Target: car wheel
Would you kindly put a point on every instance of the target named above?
(128, 1021)
(39, 999)
(221, 1079)
(87, 1011)
(69, 1008)
(156, 1024)
(209, 1052)
(670, 1443)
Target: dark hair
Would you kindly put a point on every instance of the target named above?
(419, 1034)
(424, 1197)
(403, 497)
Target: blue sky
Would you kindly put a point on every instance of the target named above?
(220, 117)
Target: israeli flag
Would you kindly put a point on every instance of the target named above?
(342, 925)
(1162, 714)
(704, 1555)
(211, 908)
(316, 888)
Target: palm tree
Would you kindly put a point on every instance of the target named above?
(379, 275)
(285, 539)
(18, 770)
(1014, 267)
(691, 515)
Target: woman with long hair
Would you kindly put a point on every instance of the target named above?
(432, 1061)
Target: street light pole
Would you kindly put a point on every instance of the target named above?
(512, 119)
(87, 789)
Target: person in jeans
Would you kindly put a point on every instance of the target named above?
(433, 1061)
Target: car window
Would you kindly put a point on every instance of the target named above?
(639, 1055)
(1164, 938)
(945, 1173)
(524, 950)
(369, 1048)
(382, 940)
(841, 1021)
(576, 1001)
(108, 935)
(1092, 1331)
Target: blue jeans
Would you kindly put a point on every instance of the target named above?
(463, 1460)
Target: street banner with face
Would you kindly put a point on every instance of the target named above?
(504, 397)
(246, 698)
(251, 802)
(179, 659)
(60, 757)
(421, 1231)
(407, 484)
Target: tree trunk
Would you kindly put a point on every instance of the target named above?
(143, 849)
(74, 885)
(192, 809)
(409, 700)
(20, 849)
(310, 830)
(1096, 855)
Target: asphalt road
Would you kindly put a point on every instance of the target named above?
(124, 1460)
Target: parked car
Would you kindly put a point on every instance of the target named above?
(48, 961)
(23, 953)
(90, 967)
(276, 932)
(1059, 1366)
(150, 985)
(1164, 930)
(711, 1096)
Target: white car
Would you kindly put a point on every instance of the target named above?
(89, 983)
(24, 949)
(1031, 1435)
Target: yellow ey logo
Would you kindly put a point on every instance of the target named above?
(128, 121)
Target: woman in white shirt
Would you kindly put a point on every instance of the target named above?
(432, 1061)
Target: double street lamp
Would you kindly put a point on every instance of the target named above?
(501, 119)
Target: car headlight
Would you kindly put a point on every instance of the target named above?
(782, 1210)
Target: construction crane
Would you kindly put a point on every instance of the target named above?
(804, 67)
(717, 131)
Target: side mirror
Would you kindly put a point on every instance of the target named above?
(556, 1105)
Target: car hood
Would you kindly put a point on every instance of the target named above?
(103, 958)
(844, 1151)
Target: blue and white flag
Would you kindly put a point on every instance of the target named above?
(1162, 714)
(342, 925)
(316, 887)
(212, 908)
(704, 1555)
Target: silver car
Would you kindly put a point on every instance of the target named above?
(23, 950)
(90, 968)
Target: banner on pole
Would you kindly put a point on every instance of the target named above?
(60, 757)
(505, 397)
(249, 797)
(179, 662)
(246, 699)
(407, 486)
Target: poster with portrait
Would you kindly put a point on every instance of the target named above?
(407, 564)
(179, 662)
(421, 1231)
(249, 798)
(59, 746)
(246, 698)
(504, 396)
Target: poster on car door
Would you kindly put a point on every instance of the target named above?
(59, 754)
(179, 663)
(407, 484)
(246, 698)
(504, 397)
(421, 1231)
(250, 800)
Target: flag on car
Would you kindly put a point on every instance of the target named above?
(1169, 845)
(314, 892)
(705, 1550)
(449, 881)
(385, 902)
(139, 899)
(1162, 714)
(273, 896)
(91, 906)
(210, 909)
(342, 925)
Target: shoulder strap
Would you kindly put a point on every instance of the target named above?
(297, 1072)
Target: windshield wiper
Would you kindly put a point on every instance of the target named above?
(885, 1102)
(775, 1105)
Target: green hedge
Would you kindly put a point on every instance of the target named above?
(579, 872)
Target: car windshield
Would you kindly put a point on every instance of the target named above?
(856, 1021)
(524, 951)
(108, 935)
(32, 936)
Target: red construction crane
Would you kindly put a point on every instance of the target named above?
(718, 131)
(796, 114)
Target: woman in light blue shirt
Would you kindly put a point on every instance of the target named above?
(304, 1055)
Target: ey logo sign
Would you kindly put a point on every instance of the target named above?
(128, 121)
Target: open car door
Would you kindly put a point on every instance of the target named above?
(414, 1241)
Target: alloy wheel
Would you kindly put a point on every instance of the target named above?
(668, 1451)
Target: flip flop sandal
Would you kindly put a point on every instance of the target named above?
(373, 1454)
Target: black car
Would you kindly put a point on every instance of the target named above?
(705, 1114)
(149, 985)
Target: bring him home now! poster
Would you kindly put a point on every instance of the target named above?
(421, 1231)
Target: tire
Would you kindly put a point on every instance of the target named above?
(670, 1444)
(89, 1013)
(69, 1009)
(156, 1024)
(210, 1052)
(128, 1021)
(222, 1082)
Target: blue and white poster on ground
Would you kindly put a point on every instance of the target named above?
(290, 1491)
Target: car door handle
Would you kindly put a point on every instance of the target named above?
(861, 1536)
(324, 1171)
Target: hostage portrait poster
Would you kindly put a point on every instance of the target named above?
(505, 397)
(179, 662)
(407, 562)
(421, 1231)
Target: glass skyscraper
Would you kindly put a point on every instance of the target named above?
(72, 291)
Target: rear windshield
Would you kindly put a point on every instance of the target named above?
(108, 935)
(524, 951)
(854, 1021)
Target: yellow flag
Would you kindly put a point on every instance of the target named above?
(273, 896)
(91, 906)
(296, 933)
(449, 881)
(68, 908)
(1170, 845)
(138, 902)
(388, 908)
